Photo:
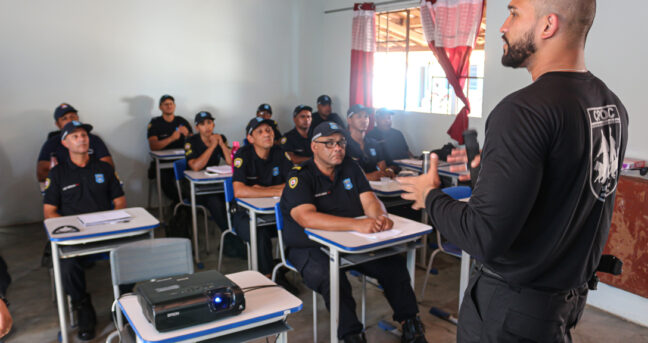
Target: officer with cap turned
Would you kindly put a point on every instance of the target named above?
(324, 113)
(296, 142)
(265, 111)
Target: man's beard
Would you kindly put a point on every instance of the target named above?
(518, 53)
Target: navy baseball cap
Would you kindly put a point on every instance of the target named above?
(326, 129)
(301, 108)
(264, 107)
(63, 109)
(324, 100)
(255, 122)
(73, 125)
(381, 112)
(356, 109)
(202, 116)
(165, 97)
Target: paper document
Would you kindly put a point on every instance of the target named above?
(378, 235)
(411, 161)
(178, 151)
(104, 218)
(220, 169)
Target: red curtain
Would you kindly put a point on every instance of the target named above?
(363, 45)
(451, 28)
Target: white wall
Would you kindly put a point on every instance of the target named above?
(113, 60)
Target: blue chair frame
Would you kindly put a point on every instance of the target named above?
(229, 197)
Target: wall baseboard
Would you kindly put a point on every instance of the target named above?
(618, 302)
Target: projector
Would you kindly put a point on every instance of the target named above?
(185, 300)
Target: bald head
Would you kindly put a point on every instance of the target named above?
(577, 16)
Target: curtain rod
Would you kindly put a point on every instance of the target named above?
(377, 4)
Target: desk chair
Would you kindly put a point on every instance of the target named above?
(145, 260)
(285, 263)
(179, 167)
(229, 201)
(457, 192)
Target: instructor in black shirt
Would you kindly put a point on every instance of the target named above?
(328, 192)
(541, 209)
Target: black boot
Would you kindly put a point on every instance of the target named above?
(355, 338)
(86, 317)
(413, 331)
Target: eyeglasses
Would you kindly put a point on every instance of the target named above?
(331, 144)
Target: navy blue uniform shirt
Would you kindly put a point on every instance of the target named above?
(162, 129)
(252, 170)
(393, 143)
(368, 158)
(194, 147)
(293, 142)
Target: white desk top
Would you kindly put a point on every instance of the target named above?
(386, 188)
(348, 241)
(444, 167)
(168, 153)
(258, 204)
(141, 220)
(202, 176)
(262, 306)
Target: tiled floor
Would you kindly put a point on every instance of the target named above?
(35, 316)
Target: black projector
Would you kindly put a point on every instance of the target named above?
(181, 301)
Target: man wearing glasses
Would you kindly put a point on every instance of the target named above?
(328, 192)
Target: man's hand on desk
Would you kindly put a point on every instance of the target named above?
(459, 156)
(417, 187)
(371, 225)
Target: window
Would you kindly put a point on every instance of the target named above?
(408, 77)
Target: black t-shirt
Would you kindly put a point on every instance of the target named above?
(194, 147)
(75, 190)
(53, 146)
(307, 185)
(162, 129)
(393, 143)
(317, 119)
(369, 157)
(252, 170)
(293, 142)
(550, 149)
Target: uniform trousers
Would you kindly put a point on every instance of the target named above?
(494, 311)
(391, 273)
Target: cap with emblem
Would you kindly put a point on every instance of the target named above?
(62, 110)
(356, 109)
(166, 97)
(202, 116)
(324, 100)
(264, 107)
(383, 112)
(326, 129)
(301, 108)
(73, 125)
(255, 122)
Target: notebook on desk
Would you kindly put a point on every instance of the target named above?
(219, 170)
(111, 217)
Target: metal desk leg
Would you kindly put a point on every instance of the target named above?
(193, 222)
(253, 241)
(60, 297)
(334, 270)
(424, 240)
(283, 337)
(464, 275)
(411, 264)
(159, 189)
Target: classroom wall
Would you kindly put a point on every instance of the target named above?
(113, 60)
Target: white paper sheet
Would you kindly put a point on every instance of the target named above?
(219, 169)
(378, 235)
(104, 218)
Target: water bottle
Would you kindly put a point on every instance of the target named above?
(426, 161)
(235, 147)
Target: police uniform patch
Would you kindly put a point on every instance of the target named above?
(287, 156)
(99, 178)
(187, 146)
(333, 126)
(188, 152)
(292, 183)
(47, 183)
(296, 167)
(149, 126)
(275, 171)
(238, 162)
(372, 151)
(347, 184)
(283, 140)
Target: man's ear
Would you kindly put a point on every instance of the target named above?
(65, 143)
(250, 138)
(550, 26)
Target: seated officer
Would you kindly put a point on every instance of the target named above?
(327, 193)
(167, 131)
(265, 111)
(80, 184)
(260, 170)
(324, 113)
(54, 152)
(368, 153)
(296, 142)
(393, 142)
(205, 149)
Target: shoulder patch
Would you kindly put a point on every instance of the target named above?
(284, 140)
(47, 183)
(238, 162)
(187, 146)
(149, 125)
(287, 156)
(292, 183)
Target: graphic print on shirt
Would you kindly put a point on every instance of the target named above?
(605, 140)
